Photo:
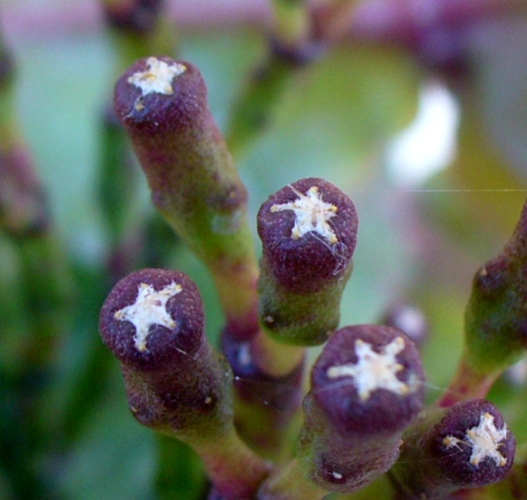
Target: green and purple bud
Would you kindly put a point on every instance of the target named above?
(309, 232)
(467, 445)
(195, 185)
(367, 386)
(153, 322)
(496, 315)
(495, 319)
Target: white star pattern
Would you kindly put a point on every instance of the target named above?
(157, 77)
(148, 309)
(375, 370)
(311, 214)
(484, 439)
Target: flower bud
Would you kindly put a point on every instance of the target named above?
(139, 16)
(464, 446)
(408, 319)
(495, 320)
(366, 388)
(308, 231)
(177, 384)
(496, 315)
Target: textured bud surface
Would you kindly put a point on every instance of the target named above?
(308, 224)
(465, 445)
(484, 439)
(474, 442)
(312, 214)
(149, 309)
(151, 316)
(369, 379)
(375, 370)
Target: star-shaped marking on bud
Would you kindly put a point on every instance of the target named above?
(484, 439)
(157, 77)
(148, 309)
(311, 214)
(375, 370)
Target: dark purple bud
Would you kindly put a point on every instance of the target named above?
(153, 319)
(309, 232)
(153, 322)
(366, 388)
(368, 380)
(270, 401)
(465, 445)
(176, 383)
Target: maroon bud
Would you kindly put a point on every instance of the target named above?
(270, 401)
(153, 322)
(176, 383)
(368, 380)
(465, 445)
(366, 388)
(153, 319)
(309, 232)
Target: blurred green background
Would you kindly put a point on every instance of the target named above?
(418, 242)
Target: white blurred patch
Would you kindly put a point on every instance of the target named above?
(428, 145)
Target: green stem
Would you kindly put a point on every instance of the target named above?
(290, 483)
(467, 383)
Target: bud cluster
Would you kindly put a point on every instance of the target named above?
(363, 415)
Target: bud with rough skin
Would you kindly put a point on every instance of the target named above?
(366, 388)
(163, 106)
(153, 322)
(308, 231)
(496, 315)
(495, 320)
(464, 446)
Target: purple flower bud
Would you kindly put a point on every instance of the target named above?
(308, 231)
(308, 225)
(270, 401)
(153, 322)
(366, 388)
(368, 381)
(153, 319)
(465, 445)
